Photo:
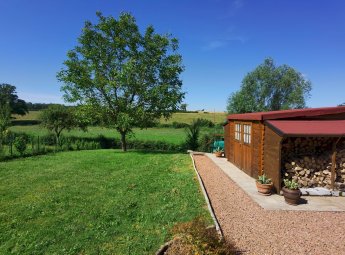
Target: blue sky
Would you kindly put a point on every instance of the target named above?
(220, 41)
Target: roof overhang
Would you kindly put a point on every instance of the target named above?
(290, 128)
(285, 114)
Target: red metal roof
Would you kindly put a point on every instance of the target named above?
(308, 127)
(309, 112)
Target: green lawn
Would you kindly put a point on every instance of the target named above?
(95, 202)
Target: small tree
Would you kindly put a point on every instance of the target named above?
(270, 88)
(57, 118)
(183, 107)
(126, 78)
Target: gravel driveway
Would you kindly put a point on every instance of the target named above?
(258, 231)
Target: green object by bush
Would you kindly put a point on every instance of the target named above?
(20, 144)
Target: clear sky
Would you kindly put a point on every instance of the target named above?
(220, 41)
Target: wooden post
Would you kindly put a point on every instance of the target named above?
(334, 157)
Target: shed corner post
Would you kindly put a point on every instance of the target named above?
(280, 165)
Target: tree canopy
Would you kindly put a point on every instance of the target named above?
(269, 87)
(9, 104)
(57, 118)
(124, 77)
(8, 96)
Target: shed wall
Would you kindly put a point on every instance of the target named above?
(272, 157)
(257, 143)
(256, 150)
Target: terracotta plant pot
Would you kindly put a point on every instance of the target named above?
(264, 189)
(291, 196)
(218, 154)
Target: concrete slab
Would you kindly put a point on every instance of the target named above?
(276, 202)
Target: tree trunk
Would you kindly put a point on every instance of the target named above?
(57, 137)
(123, 141)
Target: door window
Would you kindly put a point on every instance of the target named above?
(238, 131)
(247, 133)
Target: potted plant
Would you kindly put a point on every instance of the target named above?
(218, 152)
(264, 185)
(291, 192)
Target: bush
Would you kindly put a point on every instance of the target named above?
(20, 144)
(193, 132)
(205, 123)
(46, 143)
(179, 125)
(206, 142)
(195, 238)
(48, 139)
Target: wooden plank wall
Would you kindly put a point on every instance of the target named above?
(272, 157)
(256, 149)
(226, 140)
(231, 141)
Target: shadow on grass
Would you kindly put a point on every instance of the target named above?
(148, 152)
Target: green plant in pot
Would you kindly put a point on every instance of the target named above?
(218, 152)
(264, 185)
(291, 192)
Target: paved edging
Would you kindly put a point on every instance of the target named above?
(276, 202)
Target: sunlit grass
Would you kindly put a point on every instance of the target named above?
(95, 202)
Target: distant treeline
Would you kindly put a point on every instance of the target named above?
(37, 106)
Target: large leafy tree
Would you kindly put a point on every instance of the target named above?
(124, 77)
(270, 87)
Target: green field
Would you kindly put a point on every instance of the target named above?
(171, 135)
(95, 202)
(217, 117)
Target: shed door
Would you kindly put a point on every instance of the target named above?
(243, 146)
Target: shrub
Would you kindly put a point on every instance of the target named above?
(193, 132)
(179, 125)
(205, 123)
(49, 139)
(20, 144)
(195, 238)
(205, 142)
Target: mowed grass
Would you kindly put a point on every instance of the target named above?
(95, 202)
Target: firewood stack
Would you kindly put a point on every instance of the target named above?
(312, 169)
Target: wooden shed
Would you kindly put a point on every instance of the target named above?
(253, 141)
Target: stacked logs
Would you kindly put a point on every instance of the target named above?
(313, 169)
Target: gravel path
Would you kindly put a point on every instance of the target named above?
(258, 231)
